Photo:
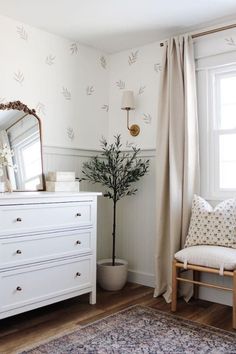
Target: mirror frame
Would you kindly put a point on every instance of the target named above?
(19, 106)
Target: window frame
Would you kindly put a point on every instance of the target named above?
(18, 148)
(208, 80)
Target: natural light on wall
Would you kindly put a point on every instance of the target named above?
(217, 120)
(226, 84)
(32, 155)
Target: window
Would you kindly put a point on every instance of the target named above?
(217, 113)
(27, 154)
(31, 161)
(225, 105)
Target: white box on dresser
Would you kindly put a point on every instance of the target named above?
(47, 249)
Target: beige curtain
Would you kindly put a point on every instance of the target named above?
(177, 155)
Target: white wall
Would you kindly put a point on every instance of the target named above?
(36, 66)
(214, 44)
(138, 70)
(136, 216)
(64, 159)
(137, 227)
(211, 52)
(66, 83)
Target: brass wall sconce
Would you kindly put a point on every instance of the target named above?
(128, 105)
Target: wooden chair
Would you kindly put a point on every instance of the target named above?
(176, 277)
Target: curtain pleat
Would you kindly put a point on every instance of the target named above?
(177, 162)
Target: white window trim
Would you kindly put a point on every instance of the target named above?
(209, 135)
(18, 147)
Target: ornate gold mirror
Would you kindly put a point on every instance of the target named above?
(20, 133)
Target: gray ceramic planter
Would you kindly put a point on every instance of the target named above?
(112, 277)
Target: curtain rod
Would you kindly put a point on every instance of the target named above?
(205, 33)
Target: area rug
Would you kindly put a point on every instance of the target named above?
(141, 329)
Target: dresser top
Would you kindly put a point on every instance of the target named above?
(45, 197)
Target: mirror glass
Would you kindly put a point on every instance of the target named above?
(20, 132)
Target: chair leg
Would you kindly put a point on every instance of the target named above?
(196, 277)
(174, 286)
(234, 300)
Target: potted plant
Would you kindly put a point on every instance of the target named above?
(116, 170)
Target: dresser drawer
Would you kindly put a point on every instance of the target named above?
(29, 285)
(29, 218)
(14, 250)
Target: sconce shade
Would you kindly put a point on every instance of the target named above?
(127, 100)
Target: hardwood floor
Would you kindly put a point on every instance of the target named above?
(38, 325)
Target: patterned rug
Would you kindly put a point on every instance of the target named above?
(141, 329)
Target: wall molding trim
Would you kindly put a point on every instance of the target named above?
(71, 159)
(142, 278)
(56, 150)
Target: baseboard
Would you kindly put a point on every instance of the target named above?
(217, 297)
(146, 279)
(213, 295)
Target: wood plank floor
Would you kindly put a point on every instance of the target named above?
(38, 325)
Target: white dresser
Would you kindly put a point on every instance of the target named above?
(47, 249)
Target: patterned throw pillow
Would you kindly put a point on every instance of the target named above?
(210, 226)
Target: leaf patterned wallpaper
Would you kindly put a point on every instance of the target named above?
(137, 70)
(65, 82)
(217, 43)
(77, 90)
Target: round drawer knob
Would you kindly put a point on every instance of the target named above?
(78, 242)
(78, 214)
(18, 219)
(78, 274)
(18, 251)
(18, 288)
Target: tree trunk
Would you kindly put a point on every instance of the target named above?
(114, 234)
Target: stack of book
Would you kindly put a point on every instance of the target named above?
(61, 182)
